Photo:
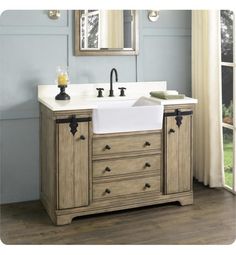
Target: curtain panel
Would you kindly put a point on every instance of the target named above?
(208, 163)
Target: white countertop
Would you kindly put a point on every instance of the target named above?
(83, 96)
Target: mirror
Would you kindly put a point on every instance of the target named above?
(106, 32)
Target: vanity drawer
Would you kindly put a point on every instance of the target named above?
(110, 189)
(123, 144)
(129, 165)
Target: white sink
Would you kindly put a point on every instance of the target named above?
(126, 116)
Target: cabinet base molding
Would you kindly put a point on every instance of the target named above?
(63, 217)
(186, 200)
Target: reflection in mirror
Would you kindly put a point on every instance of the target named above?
(106, 32)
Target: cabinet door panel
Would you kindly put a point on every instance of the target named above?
(178, 155)
(72, 166)
(171, 154)
(81, 174)
(184, 149)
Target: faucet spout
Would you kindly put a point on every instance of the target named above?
(111, 92)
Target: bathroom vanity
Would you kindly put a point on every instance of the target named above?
(84, 173)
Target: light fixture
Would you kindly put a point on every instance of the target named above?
(54, 14)
(153, 15)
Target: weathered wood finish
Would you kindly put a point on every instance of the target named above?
(73, 170)
(126, 165)
(125, 187)
(171, 157)
(73, 179)
(124, 144)
(65, 162)
(48, 161)
(178, 153)
(184, 156)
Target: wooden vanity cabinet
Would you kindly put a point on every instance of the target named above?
(73, 165)
(126, 165)
(84, 173)
(178, 149)
(65, 160)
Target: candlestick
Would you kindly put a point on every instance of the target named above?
(62, 95)
(62, 81)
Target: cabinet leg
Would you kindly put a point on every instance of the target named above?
(186, 200)
(63, 220)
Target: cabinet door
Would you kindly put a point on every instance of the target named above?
(73, 166)
(178, 155)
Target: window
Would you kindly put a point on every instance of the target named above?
(228, 67)
(89, 33)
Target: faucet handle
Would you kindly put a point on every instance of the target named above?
(122, 91)
(100, 92)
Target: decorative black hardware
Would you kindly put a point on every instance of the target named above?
(178, 118)
(74, 123)
(147, 144)
(147, 164)
(62, 95)
(147, 185)
(107, 191)
(171, 131)
(100, 92)
(111, 92)
(107, 147)
(68, 120)
(122, 91)
(107, 169)
(82, 137)
(179, 115)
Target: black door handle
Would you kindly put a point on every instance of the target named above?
(82, 137)
(107, 169)
(147, 143)
(107, 147)
(171, 131)
(107, 191)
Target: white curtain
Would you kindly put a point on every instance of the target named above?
(206, 87)
(112, 29)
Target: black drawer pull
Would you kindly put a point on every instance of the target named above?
(147, 186)
(107, 147)
(107, 169)
(107, 191)
(147, 143)
(171, 131)
(82, 137)
(147, 164)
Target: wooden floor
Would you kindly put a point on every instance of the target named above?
(211, 220)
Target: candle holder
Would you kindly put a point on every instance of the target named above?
(62, 81)
(62, 95)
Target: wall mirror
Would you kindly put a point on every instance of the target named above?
(106, 32)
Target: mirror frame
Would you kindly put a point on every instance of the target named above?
(124, 52)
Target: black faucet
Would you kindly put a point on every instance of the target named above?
(111, 94)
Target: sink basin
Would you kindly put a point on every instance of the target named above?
(126, 116)
(114, 104)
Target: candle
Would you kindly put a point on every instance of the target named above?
(62, 79)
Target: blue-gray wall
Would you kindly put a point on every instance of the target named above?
(32, 46)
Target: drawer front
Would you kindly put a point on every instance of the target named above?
(123, 144)
(125, 187)
(111, 167)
